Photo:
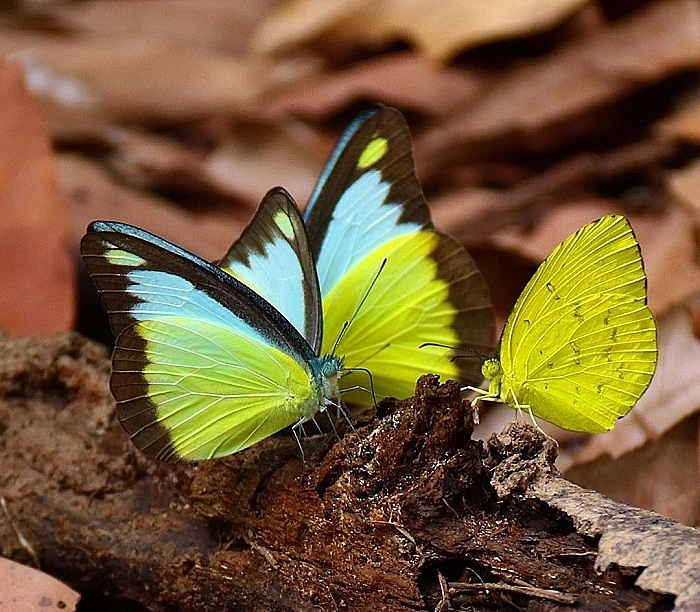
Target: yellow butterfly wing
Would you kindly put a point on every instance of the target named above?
(580, 346)
(427, 291)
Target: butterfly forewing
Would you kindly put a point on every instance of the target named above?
(272, 257)
(202, 366)
(367, 195)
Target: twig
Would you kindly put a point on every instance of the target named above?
(457, 587)
(22, 540)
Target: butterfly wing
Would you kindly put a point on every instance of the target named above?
(202, 366)
(368, 207)
(272, 257)
(580, 345)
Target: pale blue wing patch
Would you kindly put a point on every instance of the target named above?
(368, 195)
(363, 220)
(273, 258)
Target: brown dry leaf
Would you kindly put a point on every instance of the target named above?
(683, 125)
(674, 395)
(297, 21)
(94, 195)
(153, 79)
(684, 184)
(24, 588)
(439, 29)
(262, 157)
(37, 277)
(458, 212)
(669, 248)
(217, 24)
(405, 80)
(587, 73)
(150, 161)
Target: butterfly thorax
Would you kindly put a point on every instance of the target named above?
(327, 369)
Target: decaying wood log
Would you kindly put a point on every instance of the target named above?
(405, 513)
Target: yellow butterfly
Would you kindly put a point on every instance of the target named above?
(579, 348)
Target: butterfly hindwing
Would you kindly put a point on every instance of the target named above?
(202, 366)
(371, 235)
(272, 257)
(580, 345)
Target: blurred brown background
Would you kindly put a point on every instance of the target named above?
(530, 118)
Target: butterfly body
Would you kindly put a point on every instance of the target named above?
(579, 347)
(210, 359)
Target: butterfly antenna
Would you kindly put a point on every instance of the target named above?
(347, 324)
(472, 352)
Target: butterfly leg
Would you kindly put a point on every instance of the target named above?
(299, 425)
(341, 412)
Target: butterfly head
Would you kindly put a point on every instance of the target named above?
(493, 372)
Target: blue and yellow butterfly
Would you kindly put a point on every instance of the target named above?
(212, 359)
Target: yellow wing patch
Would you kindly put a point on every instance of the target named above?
(373, 152)
(405, 307)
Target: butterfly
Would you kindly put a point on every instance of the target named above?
(210, 359)
(579, 348)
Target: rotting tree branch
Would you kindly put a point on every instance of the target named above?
(399, 515)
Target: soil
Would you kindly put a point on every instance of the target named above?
(405, 512)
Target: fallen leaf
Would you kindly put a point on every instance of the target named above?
(669, 247)
(192, 81)
(37, 276)
(217, 24)
(660, 40)
(264, 156)
(298, 21)
(401, 79)
(24, 588)
(93, 194)
(525, 194)
(683, 125)
(684, 184)
(439, 29)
